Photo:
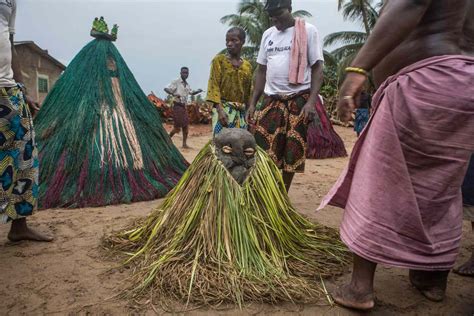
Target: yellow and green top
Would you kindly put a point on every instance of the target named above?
(229, 83)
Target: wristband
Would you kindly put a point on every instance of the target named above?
(357, 70)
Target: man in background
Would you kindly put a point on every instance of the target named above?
(181, 91)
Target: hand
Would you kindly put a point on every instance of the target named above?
(222, 116)
(308, 112)
(33, 105)
(350, 90)
(249, 116)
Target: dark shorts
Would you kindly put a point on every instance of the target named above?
(282, 133)
(180, 115)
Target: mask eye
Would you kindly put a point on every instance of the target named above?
(227, 149)
(249, 152)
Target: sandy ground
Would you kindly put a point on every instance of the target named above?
(70, 277)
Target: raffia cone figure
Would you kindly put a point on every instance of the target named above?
(100, 140)
(228, 234)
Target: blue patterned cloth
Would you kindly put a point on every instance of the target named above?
(361, 119)
(235, 114)
(18, 157)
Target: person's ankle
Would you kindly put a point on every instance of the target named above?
(362, 287)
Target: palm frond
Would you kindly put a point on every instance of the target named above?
(302, 14)
(345, 37)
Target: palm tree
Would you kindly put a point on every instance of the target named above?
(359, 10)
(352, 41)
(252, 17)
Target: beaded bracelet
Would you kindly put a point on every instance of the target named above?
(357, 70)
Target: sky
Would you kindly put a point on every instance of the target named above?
(156, 37)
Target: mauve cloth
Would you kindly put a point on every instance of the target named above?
(180, 115)
(299, 53)
(402, 189)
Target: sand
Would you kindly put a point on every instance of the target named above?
(70, 276)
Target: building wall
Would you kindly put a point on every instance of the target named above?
(35, 66)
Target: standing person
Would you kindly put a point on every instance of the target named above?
(290, 73)
(230, 83)
(467, 269)
(18, 153)
(401, 191)
(467, 45)
(181, 91)
(363, 112)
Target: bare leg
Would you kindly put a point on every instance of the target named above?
(287, 179)
(185, 136)
(432, 284)
(467, 269)
(174, 131)
(359, 294)
(20, 231)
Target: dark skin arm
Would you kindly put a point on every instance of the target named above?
(18, 77)
(388, 33)
(309, 110)
(169, 92)
(260, 80)
(221, 116)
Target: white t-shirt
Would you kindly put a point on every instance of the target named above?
(7, 27)
(275, 53)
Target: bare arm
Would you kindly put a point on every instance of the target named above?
(390, 30)
(309, 110)
(196, 92)
(17, 75)
(260, 80)
(168, 91)
(316, 81)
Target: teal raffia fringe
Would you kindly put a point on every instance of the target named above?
(100, 140)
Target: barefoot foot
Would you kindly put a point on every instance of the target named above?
(431, 284)
(20, 231)
(467, 269)
(349, 297)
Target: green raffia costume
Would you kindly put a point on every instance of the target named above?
(213, 240)
(230, 86)
(100, 140)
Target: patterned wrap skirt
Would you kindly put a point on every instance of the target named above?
(18, 157)
(235, 112)
(282, 132)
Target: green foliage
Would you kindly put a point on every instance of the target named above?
(252, 17)
(348, 44)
